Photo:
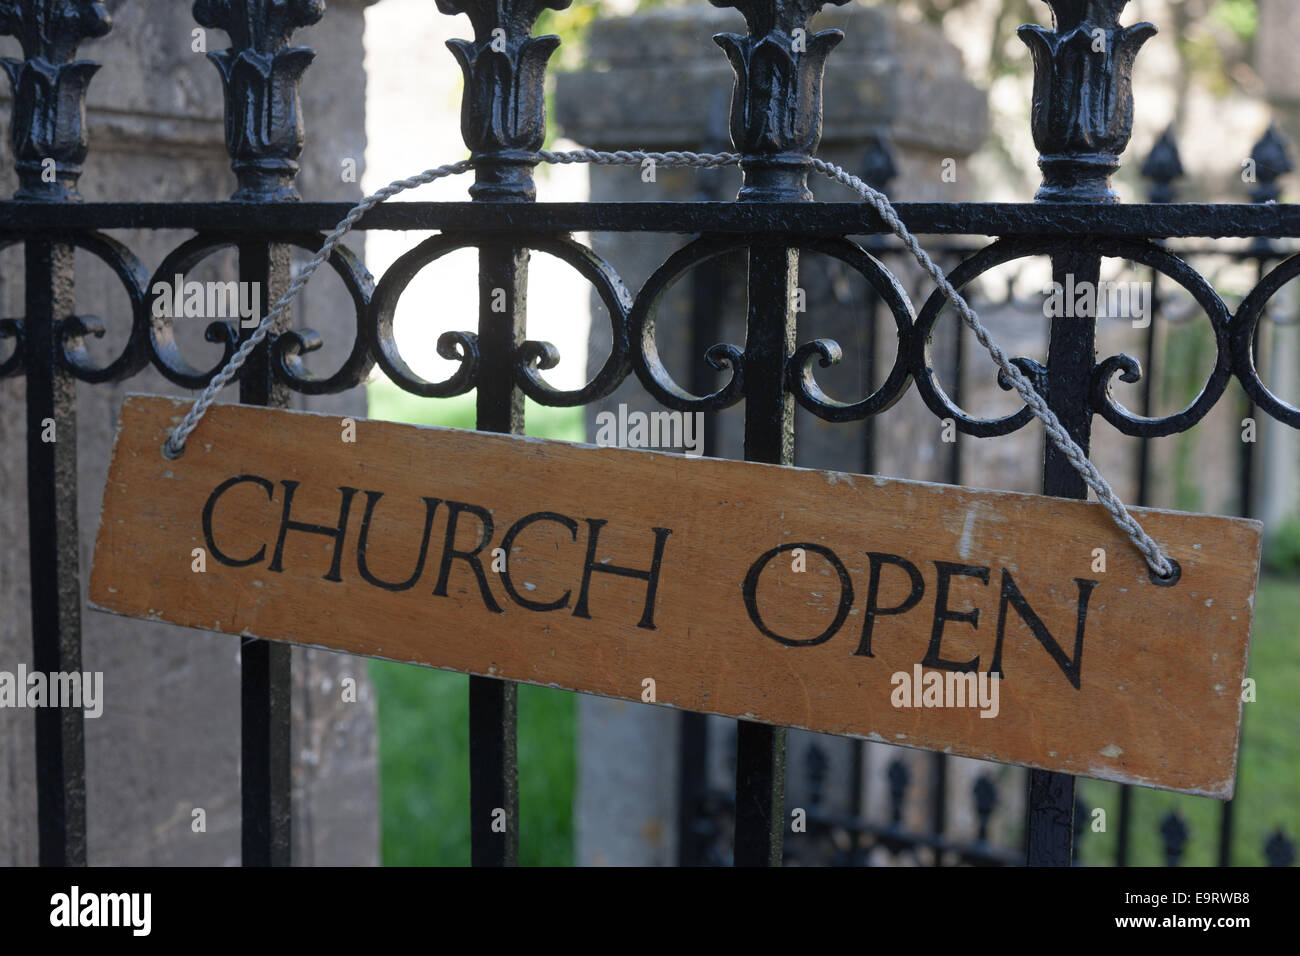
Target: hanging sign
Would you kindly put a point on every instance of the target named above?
(1004, 626)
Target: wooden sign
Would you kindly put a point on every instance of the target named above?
(1005, 626)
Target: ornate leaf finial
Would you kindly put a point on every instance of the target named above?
(503, 108)
(48, 129)
(260, 74)
(776, 105)
(1083, 96)
(1163, 165)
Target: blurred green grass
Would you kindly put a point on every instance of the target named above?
(1268, 775)
(424, 713)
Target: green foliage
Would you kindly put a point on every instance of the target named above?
(424, 769)
(1239, 16)
(1187, 357)
(389, 403)
(573, 24)
(1282, 549)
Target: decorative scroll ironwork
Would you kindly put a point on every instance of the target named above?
(73, 330)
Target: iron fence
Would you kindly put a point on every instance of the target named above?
(855, 837)
(1082, 121)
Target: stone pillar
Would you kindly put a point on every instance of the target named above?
(657, 82)
(168, 740)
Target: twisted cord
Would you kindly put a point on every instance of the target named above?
(1057, 432)
(175, 444)
(1037, 404)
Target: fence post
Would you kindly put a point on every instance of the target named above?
(776, 122)
(503, 122)
(260, 74)
(48, 137)
(1082, 119)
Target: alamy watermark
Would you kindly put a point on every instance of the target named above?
(37, 689)
(75, 908)
(1103, 300)
(637, 429)
(179, 299)
(946, 689)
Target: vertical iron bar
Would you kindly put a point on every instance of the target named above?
(1148, 396)
(1082, 120)
(1123, 838)
(1070, 360)
(503, 122)
(52, 535)
(760, 794)
(939, 761)
(265, 134)
(693, 761)
(1124, 833)
(493, 703)
(871, 344)
(265, 672)
(1246, 508)
(710, 287)
(48, 144)
(773, 273)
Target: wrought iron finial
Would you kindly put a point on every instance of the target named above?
(986, 801)
(1279, 850)
(817, 765)
(1083, 96)
(776, 106)
(1174, 832)
(503, 109)
(1163, 165)
(900, 778)
(48, 128)
(878, 167)
(260, 73)
(1272, 160)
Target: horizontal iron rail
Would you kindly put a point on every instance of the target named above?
(1138, 220)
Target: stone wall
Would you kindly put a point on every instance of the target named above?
(168, 741)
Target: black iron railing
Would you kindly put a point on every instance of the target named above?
(855, 837)
(1082, 118)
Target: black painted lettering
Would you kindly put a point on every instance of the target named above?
(450, 553)
(1072, 669)
(337, 533)
(211, 505)
(651, 577)
(363, 544)
(878, 561)
(507, 543)
(942, 614)
(750, 592)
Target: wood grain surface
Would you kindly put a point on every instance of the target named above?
(641, 575)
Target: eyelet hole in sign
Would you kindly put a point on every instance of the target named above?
(1173, 577)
